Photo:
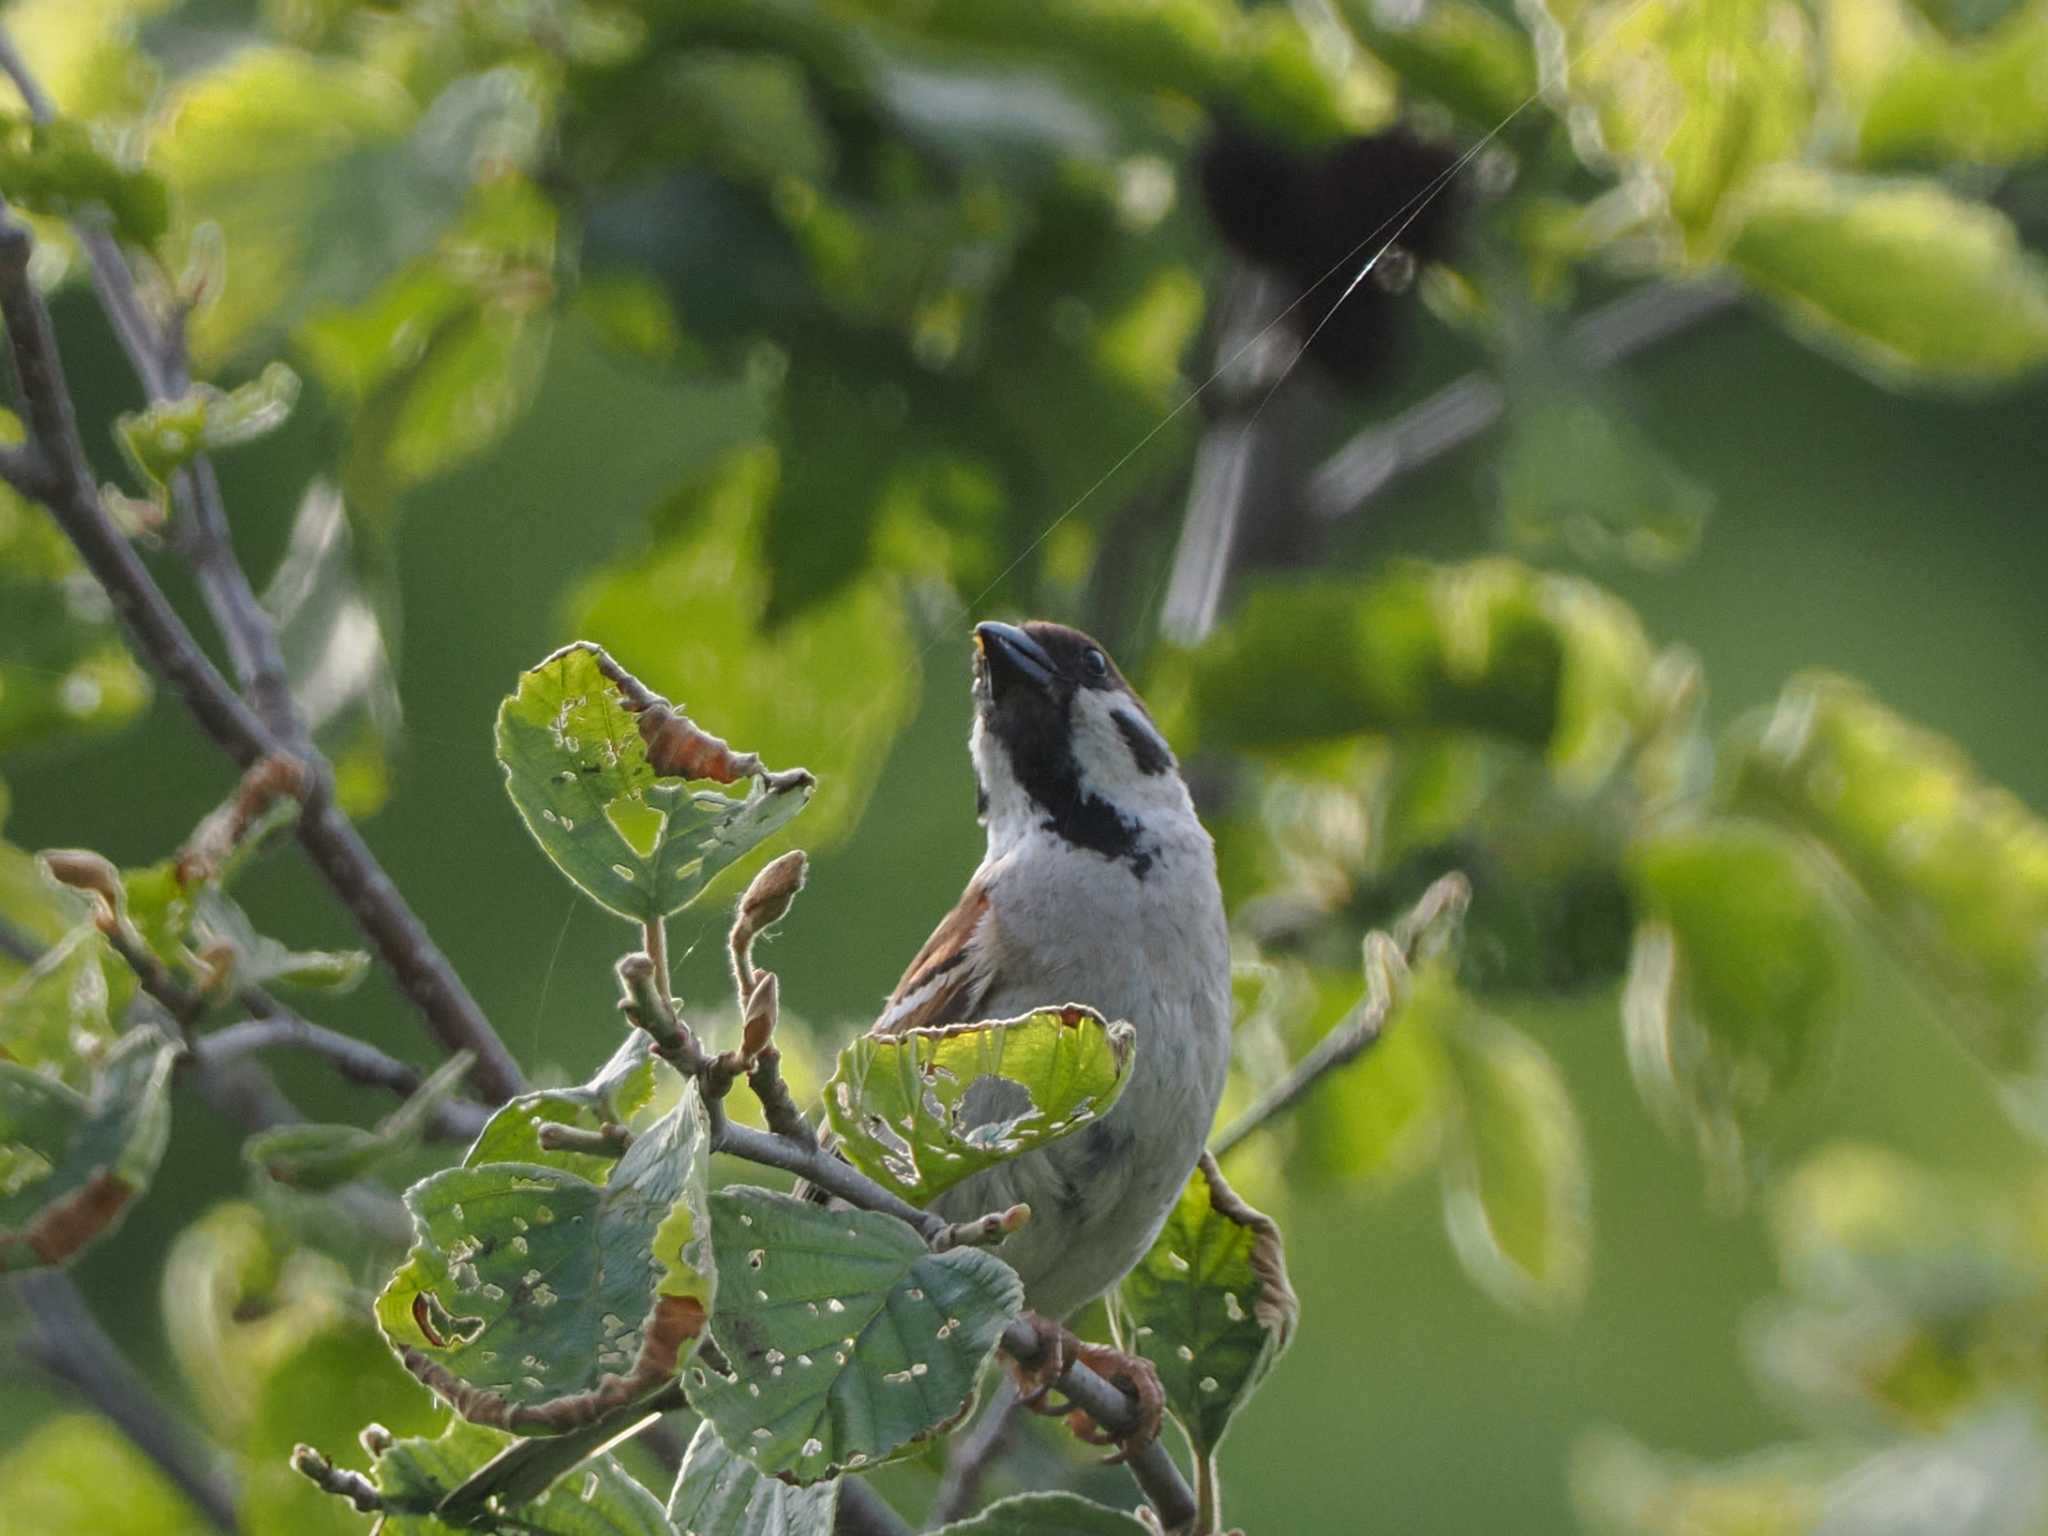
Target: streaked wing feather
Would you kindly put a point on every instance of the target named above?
(950, 975)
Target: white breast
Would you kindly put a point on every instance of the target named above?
(1078, 927)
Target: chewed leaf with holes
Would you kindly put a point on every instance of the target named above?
(71, 1163)
(414, 1476)
(599, 768)
(1210, 1305)
(848, 1338)
(622, 1086)
(535, 1300)
(923, 1110)
(1046, 1514)
(720, 1494)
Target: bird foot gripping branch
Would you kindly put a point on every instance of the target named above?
(1058, 1349)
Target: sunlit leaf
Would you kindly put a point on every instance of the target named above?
(922, 1110)
(1209, 1305)
(1735, 979)
(1491, 646)
(720, 1494)
(1691, 100)
(164, 437)
(848, 1338)
(1903, 278)
(1516, 1194)
(1956, 867)
(574, 744)
(535, 1300)
(54, 1016)
(76, 1474)
(1917, 96)
(1457, 51)
(693, 613)
(1045, 1514)
(1624, 1489)
(55, 168)
(71, 1164)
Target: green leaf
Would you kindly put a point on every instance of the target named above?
(1583, 475)
(536, 1300)
(1515, 1178)
(1623, 1489)
(922, 1110)
(322, 176)
(720, 1494)
(1046, 1514)
(54, 1016)
(848, 1338)
(638, 842)
(71, 1164)
(56, 168)
(1209, 1305)
(265, 962)
(1457, 51)
(1692, 100)
(328, 1156)
(1954, 867)
(75, 1474)
(778, 686)
(1492, 647)
(622, 1086)
(1902, 278)
(414, 1476)
(1917, 96)
(164, 437)
(1735, 979)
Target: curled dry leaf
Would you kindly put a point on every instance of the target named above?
(215, 840)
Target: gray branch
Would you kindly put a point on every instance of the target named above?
(276, 1027)
(67, 1342)
(1463, 410)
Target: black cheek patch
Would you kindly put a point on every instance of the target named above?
(1147, 751)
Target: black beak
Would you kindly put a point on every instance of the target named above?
(1012, 654)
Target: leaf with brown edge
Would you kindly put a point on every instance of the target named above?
(70, 1163)
(536, 1300)
(600, 770)
(1210, 1305)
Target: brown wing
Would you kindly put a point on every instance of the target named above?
(951, 974)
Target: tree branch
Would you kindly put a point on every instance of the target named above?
(58, 475)
(1459, 412)
(66, 1341)
(1387, 962)
(277, 1027)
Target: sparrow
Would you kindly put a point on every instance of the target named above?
(1098, 887)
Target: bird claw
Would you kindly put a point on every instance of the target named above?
(1055, 1350)
(1058, 1348)
(1135, 1374)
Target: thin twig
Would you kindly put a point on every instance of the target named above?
(1373, 459)
(1359, 1030)
(66, 1341)
(277, 1027)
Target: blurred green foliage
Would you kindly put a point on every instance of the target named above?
(832, 318)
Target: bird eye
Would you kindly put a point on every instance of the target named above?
(1096, 663)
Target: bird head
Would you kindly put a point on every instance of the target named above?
(1062, 742)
